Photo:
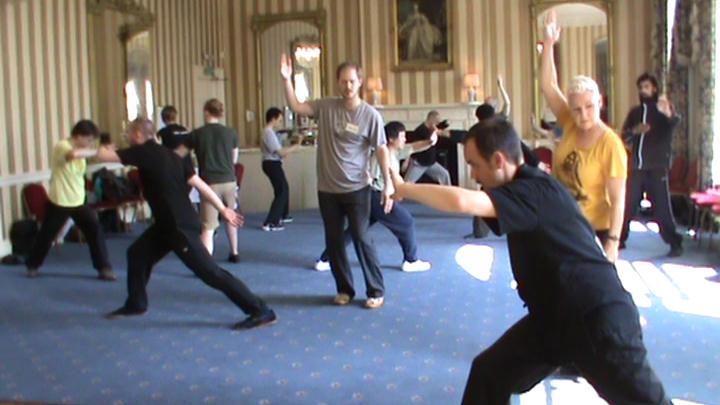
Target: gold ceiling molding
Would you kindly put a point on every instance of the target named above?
(144, 19)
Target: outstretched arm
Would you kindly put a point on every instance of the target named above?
(107, 154)
(548, 76)
(295, 105)
(445, 198)
(228, 213)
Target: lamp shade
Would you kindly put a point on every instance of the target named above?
(472, 80)
(374, 84)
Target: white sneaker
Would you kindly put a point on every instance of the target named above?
(374, 303)
(416, 266)
(322, 265)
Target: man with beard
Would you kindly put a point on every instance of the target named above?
(648, 130)
(349, 130)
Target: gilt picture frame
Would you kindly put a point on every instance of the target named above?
(422, 35)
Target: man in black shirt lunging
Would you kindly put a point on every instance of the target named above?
(426, 162)
(579, 312)
(648, 130)
(166, 182)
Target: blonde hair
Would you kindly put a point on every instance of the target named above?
(583, 84)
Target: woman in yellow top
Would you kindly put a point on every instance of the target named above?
(67, 200)
(590, 158)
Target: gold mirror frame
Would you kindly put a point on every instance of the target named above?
(537, 7)
(261, 23)
(138, 19)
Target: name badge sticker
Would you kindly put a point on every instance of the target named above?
(352, 128)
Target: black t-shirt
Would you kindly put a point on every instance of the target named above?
(214, 144)
(164, 177)
(560, 268)
(427, 157)
(173, 135)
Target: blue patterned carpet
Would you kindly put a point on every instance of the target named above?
(56, 347)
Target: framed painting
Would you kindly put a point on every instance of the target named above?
(421, 30)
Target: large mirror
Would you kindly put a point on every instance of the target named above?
(585, 47)
(120, 63)
(301, 36)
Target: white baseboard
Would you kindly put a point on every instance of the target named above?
(5, 247)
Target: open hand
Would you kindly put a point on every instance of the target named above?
(398, 184)
(552, 29)
(285, 67)
(641, 128)
(233, 217)
(664, 106)
(387, 197)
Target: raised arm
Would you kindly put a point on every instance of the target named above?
(295, 105)
(505, 110)
(548, 76)
(445, 198)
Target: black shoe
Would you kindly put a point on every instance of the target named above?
(107, 274)
(234, 258)
(123, 312)
(266, 317)
(32, 272)
(675, 251)
(286, 220)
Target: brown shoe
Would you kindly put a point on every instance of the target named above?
(341, 299)
(107, 274)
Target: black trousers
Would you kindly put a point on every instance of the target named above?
(606, 346)
(281, 203)
(354, 206)
(85, 218)
(157, 242)
(655, 184)
(399, 221)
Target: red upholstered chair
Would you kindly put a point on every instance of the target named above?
(35, 200)
(544, 155)
(239, 173)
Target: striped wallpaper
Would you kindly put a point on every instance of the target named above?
(276, 40)
(343, 43)
(577, 50)
(47, 86)
(44, 86)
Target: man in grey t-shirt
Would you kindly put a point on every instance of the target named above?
(349, 130)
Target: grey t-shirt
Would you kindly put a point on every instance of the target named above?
(214, 145)
(346, 139)
(270, 145)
